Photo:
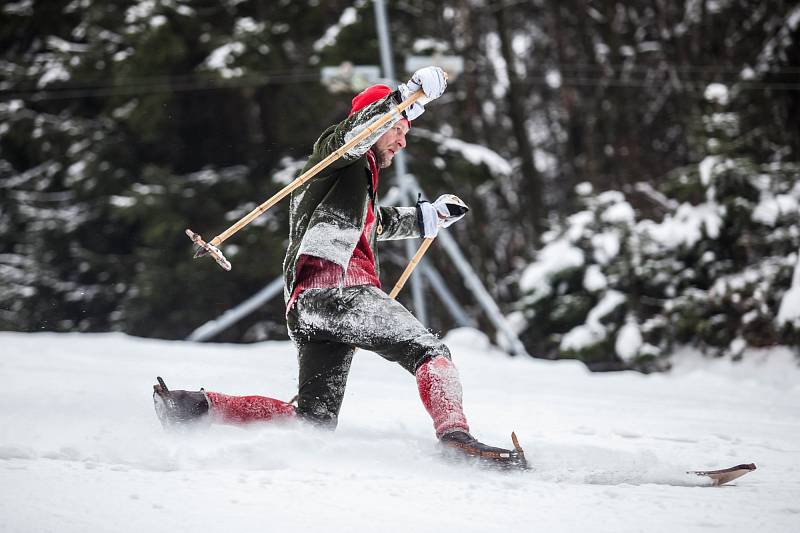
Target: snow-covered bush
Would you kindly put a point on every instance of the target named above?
(618, 290)
(709, 257)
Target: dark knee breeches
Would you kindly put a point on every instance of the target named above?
(328, 324)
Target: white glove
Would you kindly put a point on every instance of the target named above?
(432, 81)
(443, 212)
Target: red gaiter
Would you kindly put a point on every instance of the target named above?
(243, 409)
(440, 391)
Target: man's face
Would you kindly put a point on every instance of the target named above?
(390, 143)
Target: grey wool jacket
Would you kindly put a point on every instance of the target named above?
(328, 213)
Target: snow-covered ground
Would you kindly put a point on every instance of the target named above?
(81, 450)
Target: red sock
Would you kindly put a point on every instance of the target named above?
(243, 409)
(440, 390)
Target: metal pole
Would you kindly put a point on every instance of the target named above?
(473, 283)
(387, 66)
(382, 23)
(231, 316)
(440, 288)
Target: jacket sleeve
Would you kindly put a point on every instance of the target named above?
(337, 136)
(398, 223)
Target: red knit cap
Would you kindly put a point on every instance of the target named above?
(370, 95)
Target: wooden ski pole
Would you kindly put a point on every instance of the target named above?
(210, 247)
(411, 266)
(457, 208)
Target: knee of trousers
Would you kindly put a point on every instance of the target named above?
(429, 350)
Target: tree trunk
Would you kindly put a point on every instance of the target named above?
(531, 180)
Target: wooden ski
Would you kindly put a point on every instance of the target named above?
(726, 475)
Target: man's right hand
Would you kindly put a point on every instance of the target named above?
(432, 81)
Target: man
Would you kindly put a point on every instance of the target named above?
(334, 299)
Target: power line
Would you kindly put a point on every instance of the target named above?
(697, 84)
(155, 85)
(662, 66)
(78, 89)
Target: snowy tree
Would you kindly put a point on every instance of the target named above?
(123, 123)
(617, 290)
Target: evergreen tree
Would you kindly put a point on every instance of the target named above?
(123, 123)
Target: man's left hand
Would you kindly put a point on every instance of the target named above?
(441, 213)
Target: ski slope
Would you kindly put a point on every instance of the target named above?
(82, 451)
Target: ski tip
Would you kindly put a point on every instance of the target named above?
(726, 475)
(520, 461)
(515, 440)
(162, 384)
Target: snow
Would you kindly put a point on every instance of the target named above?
(789, 310)
(556, 257)
(495, 57)
(53, 71)
(476, 154)
(776, 46)
(223, 56)
(593, 279)
(123, 202)
(81, 450)
(706, 167)
(76, 172)
(553, 79)
(577, 224)
(248, 26)
(620, 213)
(649, 46)
(333, 241)
(593, 331)
(158, 21)
(718, 93)
(686, 226)
(429, 44)
(793, 20)
(66, 47)
(288, 171)
(143, 10)
(629, 341)
(584, 188)
(21, 8)
(606, 246)
(770, 208)
(348, 17)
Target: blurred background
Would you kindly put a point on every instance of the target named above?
(632, 166)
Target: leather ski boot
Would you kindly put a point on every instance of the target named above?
(179, 407)
(460, 444)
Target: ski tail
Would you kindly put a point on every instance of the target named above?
(164, 403)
